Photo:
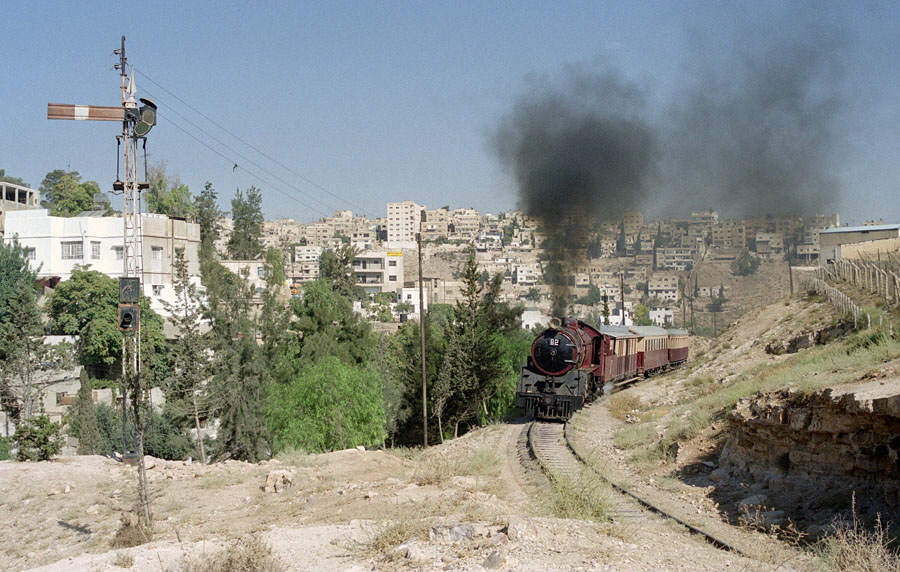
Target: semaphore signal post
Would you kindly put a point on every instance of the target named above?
(137, 120)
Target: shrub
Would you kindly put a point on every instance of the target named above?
(38, 439)
(245, 555)
(4, 449)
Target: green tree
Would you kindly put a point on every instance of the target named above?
(66, 195)
(336, 266)
(329, 325)
(185, 384)
(240, 373)
(745, 264)
(641, 315)
(86, 305)
(23, 354)
(38, 439)
(471, 373)
(245, 242)
(84, 419)
(330, 405)
(167, 195)
(207, 212)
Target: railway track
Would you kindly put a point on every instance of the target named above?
(547, 447)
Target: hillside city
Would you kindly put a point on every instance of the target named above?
(650, 259)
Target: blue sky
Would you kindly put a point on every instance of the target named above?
(350, 105)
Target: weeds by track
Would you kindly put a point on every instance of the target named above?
(546, 446)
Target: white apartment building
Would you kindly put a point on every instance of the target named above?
(527, 274)
(56, 245)
(379, 271)
(403, 222)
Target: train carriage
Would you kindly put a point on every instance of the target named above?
(653, 349)
(678, 346)
(619, 361)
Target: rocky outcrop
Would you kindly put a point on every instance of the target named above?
(806, 446)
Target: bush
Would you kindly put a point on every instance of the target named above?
(4, 449)
(163, 438)
(38, 439)
(244, 555)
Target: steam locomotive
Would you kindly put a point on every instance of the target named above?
(571, 362)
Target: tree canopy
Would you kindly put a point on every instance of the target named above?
(64, 194)
(167, 195)
(245, 242)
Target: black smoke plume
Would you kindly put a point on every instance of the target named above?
(580, 151)
(750, 132)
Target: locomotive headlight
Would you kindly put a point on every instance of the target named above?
(547, 400)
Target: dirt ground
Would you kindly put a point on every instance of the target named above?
(465, 505)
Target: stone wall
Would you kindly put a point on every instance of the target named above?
(803, 447)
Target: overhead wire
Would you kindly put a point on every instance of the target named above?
(243, 158)
(251, 146)
(248, 171)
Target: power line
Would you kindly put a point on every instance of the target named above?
(251, 146)
(248, 171)
(243, 158)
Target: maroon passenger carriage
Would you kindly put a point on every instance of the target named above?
(571, 361)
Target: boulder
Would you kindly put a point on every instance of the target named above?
(277, 480)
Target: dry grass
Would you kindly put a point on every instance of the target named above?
(248, 554)
(123, 560)
(384, 536)
(584, 497)
(621, 404)
(855, 548)
(131, 532)
(436, 470)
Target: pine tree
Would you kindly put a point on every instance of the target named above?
(89, 441)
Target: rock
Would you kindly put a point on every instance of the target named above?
(409, 550)
(495, 560)
(149, 462)
(67, 489)
(451, 532)
(465, 483)
(753, 500)
(370, 494)
(718, 475)
(360, 448)
(517, 528)
(93, 509)
(277, 480)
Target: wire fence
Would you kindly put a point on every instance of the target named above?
(878, 279)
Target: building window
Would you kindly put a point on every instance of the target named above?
(392, 263)
(119, 252)
(95, 250)
(72, 250)
(261, 271)
(29, 253)
(156, 252)
(157, 289)
(392, 278)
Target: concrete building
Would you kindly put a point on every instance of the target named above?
(379, 271)
(56, 245)
(464, 224)
(852, 242)
(663, 286)
(404, 220)
(16, 198)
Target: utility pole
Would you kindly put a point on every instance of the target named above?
(137, 120)
(422, 345)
